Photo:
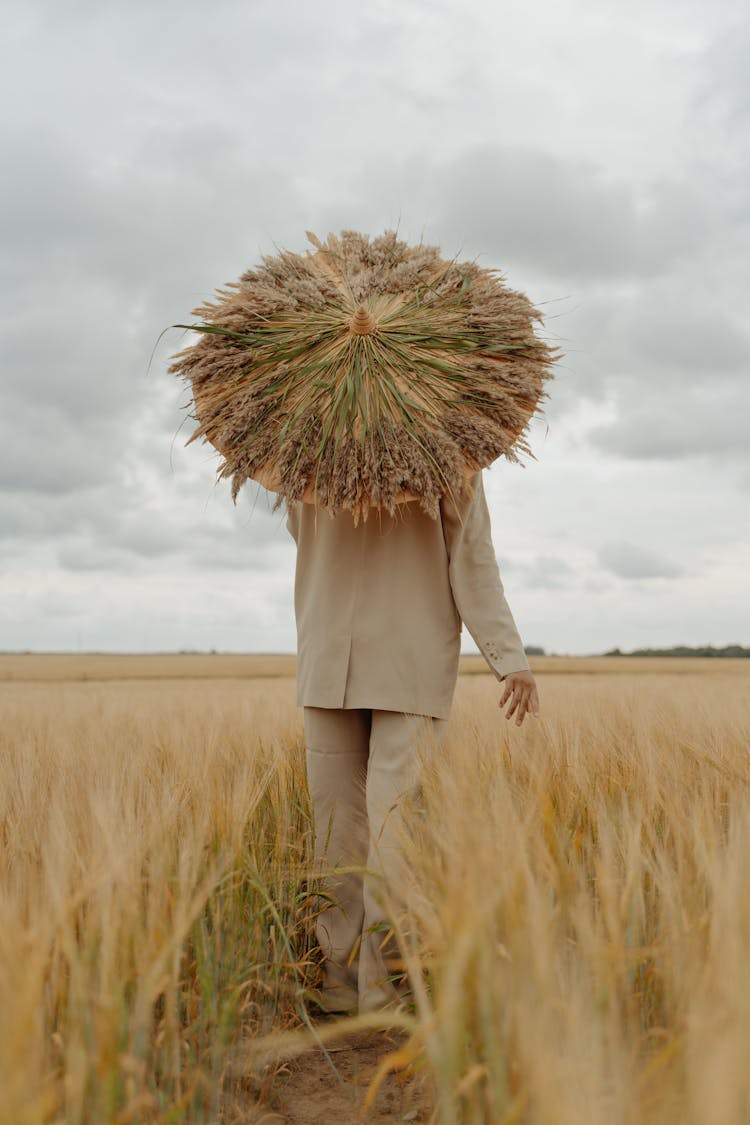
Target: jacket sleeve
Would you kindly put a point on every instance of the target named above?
(475, 581)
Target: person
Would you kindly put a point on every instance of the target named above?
(379, 607)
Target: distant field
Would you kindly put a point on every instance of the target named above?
(580, 903)
(222, 666)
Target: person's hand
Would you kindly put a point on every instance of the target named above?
(522, 687)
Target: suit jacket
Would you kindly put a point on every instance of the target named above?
(379, 606)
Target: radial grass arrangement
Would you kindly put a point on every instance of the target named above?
(364, 373)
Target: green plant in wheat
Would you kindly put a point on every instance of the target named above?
(364, 372)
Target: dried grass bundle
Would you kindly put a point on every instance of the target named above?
(364, 373)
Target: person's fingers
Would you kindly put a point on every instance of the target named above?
(514, 702)
(518, 697)
(524, 700)
(522, 708)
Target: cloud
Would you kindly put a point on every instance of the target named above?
(723, 82)
(546, 572)
(559, 215)
(677, 328)
(85, 557)
(630, 561)
(563, 217)
(706, 421)
(43, 451)
(206, 550)
(95, 270)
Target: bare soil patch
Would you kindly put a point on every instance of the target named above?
(328, 1085)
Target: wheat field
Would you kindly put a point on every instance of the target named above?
(578, 915)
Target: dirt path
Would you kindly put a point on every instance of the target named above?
(311, 1089)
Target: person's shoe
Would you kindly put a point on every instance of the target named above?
(334, 1001)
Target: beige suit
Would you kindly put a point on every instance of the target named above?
(379, 606)
(379, 610)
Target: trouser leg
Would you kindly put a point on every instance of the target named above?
(391, 777)
(336, 758)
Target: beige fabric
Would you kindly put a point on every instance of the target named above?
(362, 766)
(379, 606)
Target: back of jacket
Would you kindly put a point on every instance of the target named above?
(379, 606)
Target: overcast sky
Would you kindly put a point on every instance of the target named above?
(597, 153)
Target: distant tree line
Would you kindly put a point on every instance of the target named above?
(684, 650)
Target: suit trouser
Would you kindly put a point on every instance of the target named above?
(361, 763)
